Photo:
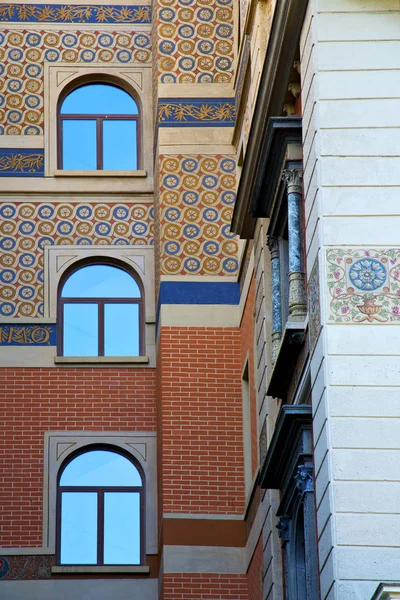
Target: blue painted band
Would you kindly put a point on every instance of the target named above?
(194, 112)
(28, 335)
(68, 13)
(193, 292)
(197, 292)
(21, 162)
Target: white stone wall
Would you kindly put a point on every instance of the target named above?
(351, 105)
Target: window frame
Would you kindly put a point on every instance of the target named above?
(99, 118)
(101, 490)
(101, 302)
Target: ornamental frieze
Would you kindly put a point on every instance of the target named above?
(81, 13)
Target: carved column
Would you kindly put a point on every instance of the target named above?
(305, 484)
(297, 280)
(273, 247)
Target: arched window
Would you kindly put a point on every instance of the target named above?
(100, 312)
(98, 129)
(100, 510)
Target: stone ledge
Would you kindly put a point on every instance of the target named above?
(292, 342)
(96, 570)
(117, 174)
(67, 360)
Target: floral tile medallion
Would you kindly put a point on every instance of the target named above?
(364, 285)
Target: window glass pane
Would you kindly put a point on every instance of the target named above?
(119, 145)
(121, 528)
(100, 281)
(121, 330)
(101, 467)
(79, 145)
(81, 330)
(99, 99)
(78, 528)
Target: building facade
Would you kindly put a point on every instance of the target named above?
(199, 300)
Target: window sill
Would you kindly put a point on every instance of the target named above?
(62, 173)
(65, 360)
(96, 570)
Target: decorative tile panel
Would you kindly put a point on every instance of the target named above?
(26, 567)
(27, 335)
(195, 41)
(197, 195)
(25, 229)
(191, 112)
(21, 163)
(364, 285)
(80, 13)
(24, 53)
(314, 306)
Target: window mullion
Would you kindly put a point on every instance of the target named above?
(101, 328)
(100, 527)
(99, 138)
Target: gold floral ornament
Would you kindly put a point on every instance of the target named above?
(180, 111)
(75, 14)
(31, 163)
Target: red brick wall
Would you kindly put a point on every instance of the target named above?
(247, 347)
(254, 573)
(199, 586)
(201, 430)
(39, 400)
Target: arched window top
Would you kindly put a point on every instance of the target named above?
(101, 468)
(99, 99)
(100, 312)
(100, 281)
(98, 129)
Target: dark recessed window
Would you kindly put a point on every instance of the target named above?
(100, 313)
(98, 129)
(100, 510)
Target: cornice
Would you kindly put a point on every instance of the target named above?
(284, 38)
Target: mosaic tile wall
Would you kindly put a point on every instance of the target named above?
(22, 57)
(195, 41)
(26, 228)
(364, 285)
(197, 194)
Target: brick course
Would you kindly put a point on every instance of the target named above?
(200, 586)
(201, 420)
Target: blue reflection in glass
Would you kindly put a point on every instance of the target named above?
(121, 330)
(121, 528)
(99, 99)
(78, 528)
(80, 330)
(79, 145)
(101, 468)
(100, 281)
(119, 145)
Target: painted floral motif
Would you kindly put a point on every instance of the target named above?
(84, 13)
(367, 274)
(364, 285)
(195, 41)
(190, 112)
(196, 197)
(14, 163)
